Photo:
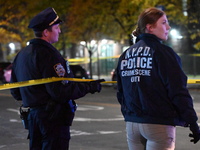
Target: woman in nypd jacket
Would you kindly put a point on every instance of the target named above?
(152, 87)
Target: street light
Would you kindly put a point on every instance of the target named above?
(12, 46)
(175, 34)
(83, 43)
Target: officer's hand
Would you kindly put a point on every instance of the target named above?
(195, 133)
(95, 86)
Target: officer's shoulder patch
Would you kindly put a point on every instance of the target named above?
(59, 69)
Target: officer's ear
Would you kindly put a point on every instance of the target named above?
(149, 28)
(45, 33)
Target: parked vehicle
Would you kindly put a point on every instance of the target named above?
(78, 71)
(114, 77)
(3, 65)
(7, 74)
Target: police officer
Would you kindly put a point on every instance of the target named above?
(51, 105)
(152, 87)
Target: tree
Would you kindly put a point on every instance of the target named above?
(116, 19)
(13, 20)
(15, 17)
(125, 17)
(113, 19)
(83, 20)
(86, 23)
(194, 22)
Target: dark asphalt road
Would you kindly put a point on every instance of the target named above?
(98, 124)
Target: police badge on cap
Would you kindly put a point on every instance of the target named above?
(44, 19)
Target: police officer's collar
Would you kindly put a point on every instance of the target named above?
(147, 35)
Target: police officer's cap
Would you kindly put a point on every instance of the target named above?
(44, 19)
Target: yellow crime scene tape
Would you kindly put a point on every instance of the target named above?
(193, 81)
(55, 79)
(43, 81)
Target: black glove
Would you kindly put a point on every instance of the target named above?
(195, 133)
(95, 86)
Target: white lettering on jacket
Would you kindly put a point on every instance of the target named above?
(137, 63)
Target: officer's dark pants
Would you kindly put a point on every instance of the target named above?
(45, 134)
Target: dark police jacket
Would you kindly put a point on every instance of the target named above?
(41, 60)
(152, 85)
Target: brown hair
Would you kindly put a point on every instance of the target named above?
(148, 16)
(39, 33)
